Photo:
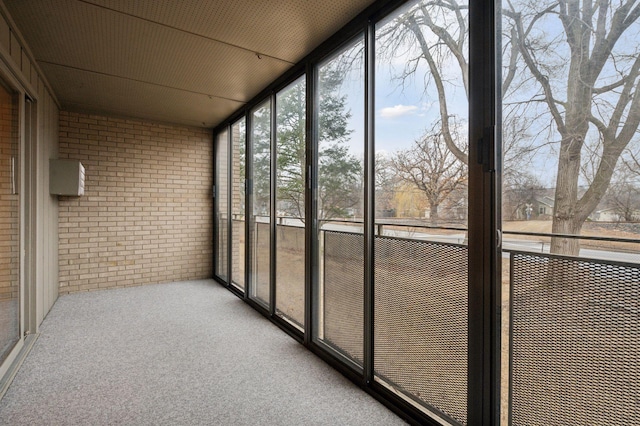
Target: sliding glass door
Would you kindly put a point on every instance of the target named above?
(421, 206)
(10, 293)
(222, 206)
(290, 202)
(260, 194)
(339, 121)
(237, 200)
(571, 207)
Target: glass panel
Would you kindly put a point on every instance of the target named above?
(571, 203)
(238, 170)
(290, 181)
(9, 221)
(421, 257)
(261, 218)
(222, 206)
(340, 195)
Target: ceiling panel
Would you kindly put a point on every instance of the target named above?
(223, 51)
(91, 92)
(286, 29)
(107, 42)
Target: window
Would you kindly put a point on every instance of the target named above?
(570, 136)
(416, 165)
(421, 202)
(340, 199)
(238, 186)
(222, 205)
(10, 218)
(290, 202)
(260, 224)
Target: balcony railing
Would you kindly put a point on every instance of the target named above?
(571, 325)
(574, 338)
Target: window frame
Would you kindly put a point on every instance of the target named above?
(484, 314)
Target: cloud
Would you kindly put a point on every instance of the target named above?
(397, 111)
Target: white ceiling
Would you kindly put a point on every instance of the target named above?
(190, 62)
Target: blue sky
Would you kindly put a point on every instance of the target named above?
(401, 113)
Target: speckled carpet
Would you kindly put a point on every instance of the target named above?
(186, 353)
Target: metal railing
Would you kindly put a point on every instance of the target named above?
(574, 340)
(572, 337)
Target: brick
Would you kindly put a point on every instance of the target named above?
(146, 216)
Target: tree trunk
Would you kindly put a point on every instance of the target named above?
(566, 246)
(565, 217)
(433, 213)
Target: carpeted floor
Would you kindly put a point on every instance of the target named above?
(185, 353)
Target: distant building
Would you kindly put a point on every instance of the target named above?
(535, 208)
(612, 215)
(528, 204)
(542, 207)
(605, 215)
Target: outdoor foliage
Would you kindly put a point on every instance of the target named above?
(290, 137)
(431, 167)
(581, 61)
(339, 171)
(261, 155)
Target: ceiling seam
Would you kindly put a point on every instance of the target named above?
(140, 81)
(259, 54)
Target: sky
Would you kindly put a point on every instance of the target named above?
(402, 114)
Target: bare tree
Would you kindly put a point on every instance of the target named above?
(623, 195)
(432, 168)
(386, 185)
(576, 65)
(439, 30)
(435, 33)
(571, 72)
(584, 57)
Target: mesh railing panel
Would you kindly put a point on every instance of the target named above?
(344, 293)
(223, 245)
(261, 262)
(575, 342)
(421, 322)
(290, 241)
(237, 255)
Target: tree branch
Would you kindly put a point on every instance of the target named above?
(456, 48)
(442, 99)
(541, 78)
(625, 96)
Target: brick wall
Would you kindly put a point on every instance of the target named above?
(146, 216)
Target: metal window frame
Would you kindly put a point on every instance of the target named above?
(484, 315)
(312, 205)
(369, 203)
(485, 298)
(298, 77)
(216, 203)
(236, 287)
(250, 291)
(230, 210)
(24, 100)
(248, 214)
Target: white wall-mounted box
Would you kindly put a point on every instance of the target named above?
(66, 177)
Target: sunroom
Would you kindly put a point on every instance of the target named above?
(368, 176)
